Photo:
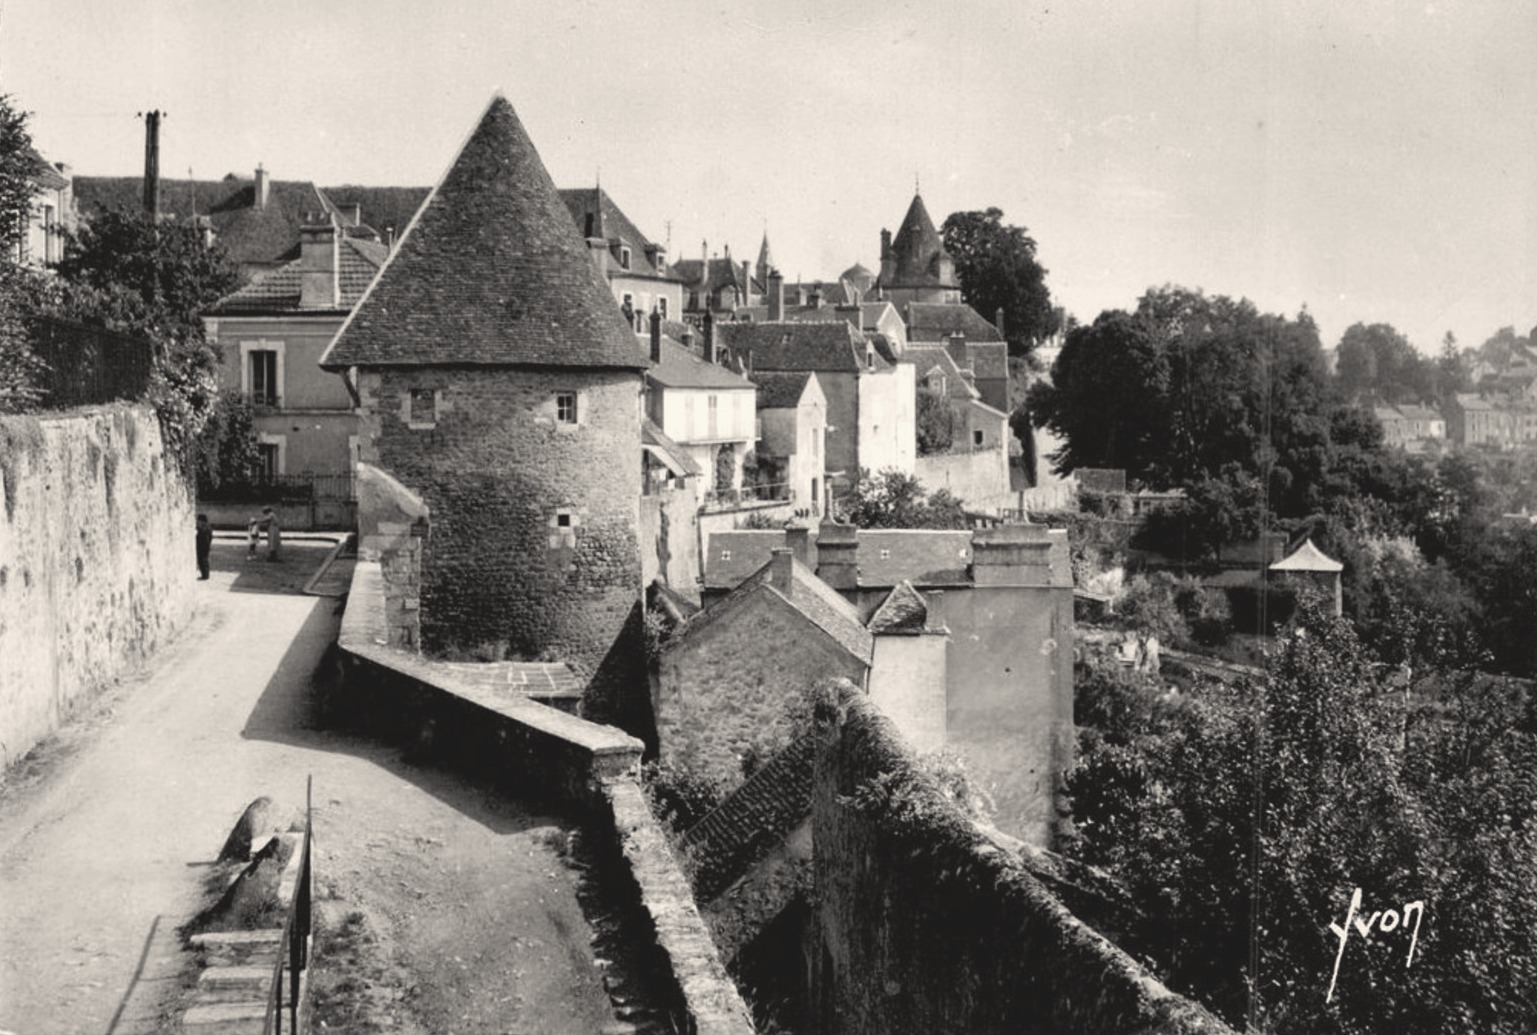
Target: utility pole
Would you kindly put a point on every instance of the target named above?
(152, 164)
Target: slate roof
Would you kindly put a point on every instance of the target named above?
(251, 235)
(1470, 401)
(834, 346)
(277, 291)
(681, 368)
(706, 275)
(904, 611)
(935, 321)
(752, 820)
(491, 272)
(916, 249)
(780, 390)
(382, 207)
(957, 384)
(614, 226)
(888, 556)
(732, 556)
(818, 602)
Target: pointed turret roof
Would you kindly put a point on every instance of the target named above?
(490, 272)
(917, 248)
(765, 257)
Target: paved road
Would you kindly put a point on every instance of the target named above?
(104, 843)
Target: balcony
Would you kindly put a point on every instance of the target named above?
(749, 497)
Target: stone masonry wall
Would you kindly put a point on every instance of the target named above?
(980, 478)
(96, 560)
(922, 923)
(728, 685)
(533, 542)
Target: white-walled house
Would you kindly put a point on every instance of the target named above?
(709, 411)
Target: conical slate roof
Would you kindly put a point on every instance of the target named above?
(491, 272)
(916, 247)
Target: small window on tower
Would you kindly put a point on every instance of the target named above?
(976, 437)
(563, 519)
(565, 407)
(424, 406)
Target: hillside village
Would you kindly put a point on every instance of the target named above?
(599, 543)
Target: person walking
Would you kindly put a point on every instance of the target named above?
(274, 532)
(204, 545)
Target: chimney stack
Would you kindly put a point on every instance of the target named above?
(261, 187)
(152, 164)
(709, 337)
(955, 344)
(888, 259)
(656, 336)
(838, 556)
(776, 297)
(319, 262)
(998, 322)
(355, 214)
(782, 570)
(798, 536)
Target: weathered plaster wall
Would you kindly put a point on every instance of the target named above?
(728, 684)
(907, 681)
(1010, 704)
(96, 560)
(980, 478)
(921, 924)
(669, 539)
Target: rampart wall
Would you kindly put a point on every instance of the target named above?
(922, 923)
(96, 560)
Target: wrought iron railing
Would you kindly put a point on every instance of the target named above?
(282, 487)
(89, 365)
(294, 955)
(723, 499)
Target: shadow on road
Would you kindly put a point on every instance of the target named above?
(297, 561)
(293, 709)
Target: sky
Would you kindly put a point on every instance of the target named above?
(1373, 161)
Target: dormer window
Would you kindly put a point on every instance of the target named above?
(624, 257)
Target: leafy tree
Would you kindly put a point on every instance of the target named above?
(894, 499)
(936, 422)
(20, 371)
(1317, 782)
(1376, 361)
(998, 269)
(17, 169)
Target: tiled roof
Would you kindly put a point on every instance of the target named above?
(1469, 401)
(916, 248)
(615, 225)
(382, 207)
(43, 172)
(753, 820)
(677, 458)
(251, 235)
(780, 391)
(681, 368)
(491, 272)
(989, 360)
(706, 275)
(818, 602)
(935, 321)
(277, 291)
(903, 611)
(831, 347)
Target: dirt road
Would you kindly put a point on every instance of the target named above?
(452, 907)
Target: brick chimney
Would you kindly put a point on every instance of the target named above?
(1011, 555)
(888, 259)
(709, 337)
(776, 296)
(262, 187)
(319, 264)
(355, 214)
(746, 282)
(656, 336)
(998, 322)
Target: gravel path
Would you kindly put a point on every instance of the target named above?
(452, 906)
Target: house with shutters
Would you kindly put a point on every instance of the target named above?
(708, 411)
(792, 432)
(270, 335)
(498, 384)
(871, 404)
(915, 267)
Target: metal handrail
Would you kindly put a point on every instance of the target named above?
(296, 935)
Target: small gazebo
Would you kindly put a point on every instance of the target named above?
(1308, 565)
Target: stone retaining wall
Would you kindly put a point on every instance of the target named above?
(96, 560)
